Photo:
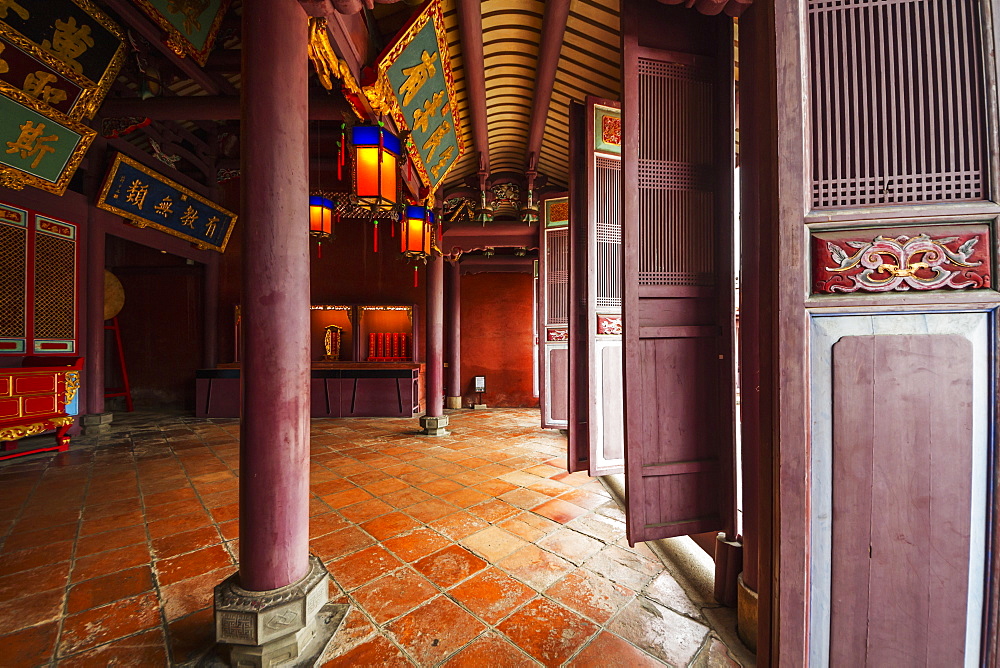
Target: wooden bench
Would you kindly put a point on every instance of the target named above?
(34, 398)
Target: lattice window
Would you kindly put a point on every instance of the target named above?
(676, 197)
(55, 299)
(608, 186)
(13, 265)
(557, 276)
(897, 102)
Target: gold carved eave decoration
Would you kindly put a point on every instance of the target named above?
(328, 66)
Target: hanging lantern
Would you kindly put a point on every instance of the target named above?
(321, 216)
(376, 154)
(416, 232)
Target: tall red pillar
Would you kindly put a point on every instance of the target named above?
(435, 421)
(274, 428)
(276, 609)
(453, 377)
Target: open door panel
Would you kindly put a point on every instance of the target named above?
(596, 427)
(677, 236)
(553, 314)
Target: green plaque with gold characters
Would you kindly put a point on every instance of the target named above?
(416, 86)
(63, 53)
(191, 25)
(36, 149)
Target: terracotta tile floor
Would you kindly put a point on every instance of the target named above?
(475, 549)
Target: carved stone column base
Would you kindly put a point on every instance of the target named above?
(96, 423)
(290, 626)
(434, 426)
(453, 402)
(746, 614)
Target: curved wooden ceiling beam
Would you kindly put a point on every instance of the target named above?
(553, 28)
(470, 14)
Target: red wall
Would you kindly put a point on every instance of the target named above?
(497, 337)
(497, 308)
(347, 271)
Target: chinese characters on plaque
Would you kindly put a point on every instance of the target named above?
(150, 199)
(57, 60)
(417, 69)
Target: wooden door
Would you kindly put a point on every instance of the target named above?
(902, 514)
(596, 429)
(677, 231)
(553, 314)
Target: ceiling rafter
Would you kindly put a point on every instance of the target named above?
(470, 14)
(553, 29)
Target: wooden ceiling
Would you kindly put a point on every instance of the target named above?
(511, 37)
(517, 66)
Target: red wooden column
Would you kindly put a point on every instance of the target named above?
(434, 421)
(274, 428)
(95, 321)
(453, 381)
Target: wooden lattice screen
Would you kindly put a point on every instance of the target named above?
(13, 268)
(675, 175)
(557, 276)
(897, 102)
(55, 282)
(608, 186)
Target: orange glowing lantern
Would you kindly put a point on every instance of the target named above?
(376, 155)
(416, 236)
(320, 216)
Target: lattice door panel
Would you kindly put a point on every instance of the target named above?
(608, 186)
(557, 277)
(676, 218)
(897, 102)
(55, 282)
(13, 272)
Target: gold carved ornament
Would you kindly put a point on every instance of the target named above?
(72, 385)
(324, 59)
(23, 431)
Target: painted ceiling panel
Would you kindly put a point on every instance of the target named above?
(512, 36)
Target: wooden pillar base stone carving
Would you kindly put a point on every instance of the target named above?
(290, 626)
(435, 426)
(452, 403)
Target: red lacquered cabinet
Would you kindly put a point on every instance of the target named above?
(34, 398)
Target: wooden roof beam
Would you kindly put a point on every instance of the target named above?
(211, 84)
(203, 108)
(553, 29)
(470, 13)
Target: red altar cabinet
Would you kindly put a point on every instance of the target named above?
(38, 397)
(363, 366)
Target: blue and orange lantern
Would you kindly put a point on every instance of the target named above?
(376, 175)
(415, 241)
(321, 213)
(415, 236)
(321, 216)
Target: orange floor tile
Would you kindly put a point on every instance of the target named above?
(474, 549)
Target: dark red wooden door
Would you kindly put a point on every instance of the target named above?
(596, 440)
(678, 370)
(902, 462)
